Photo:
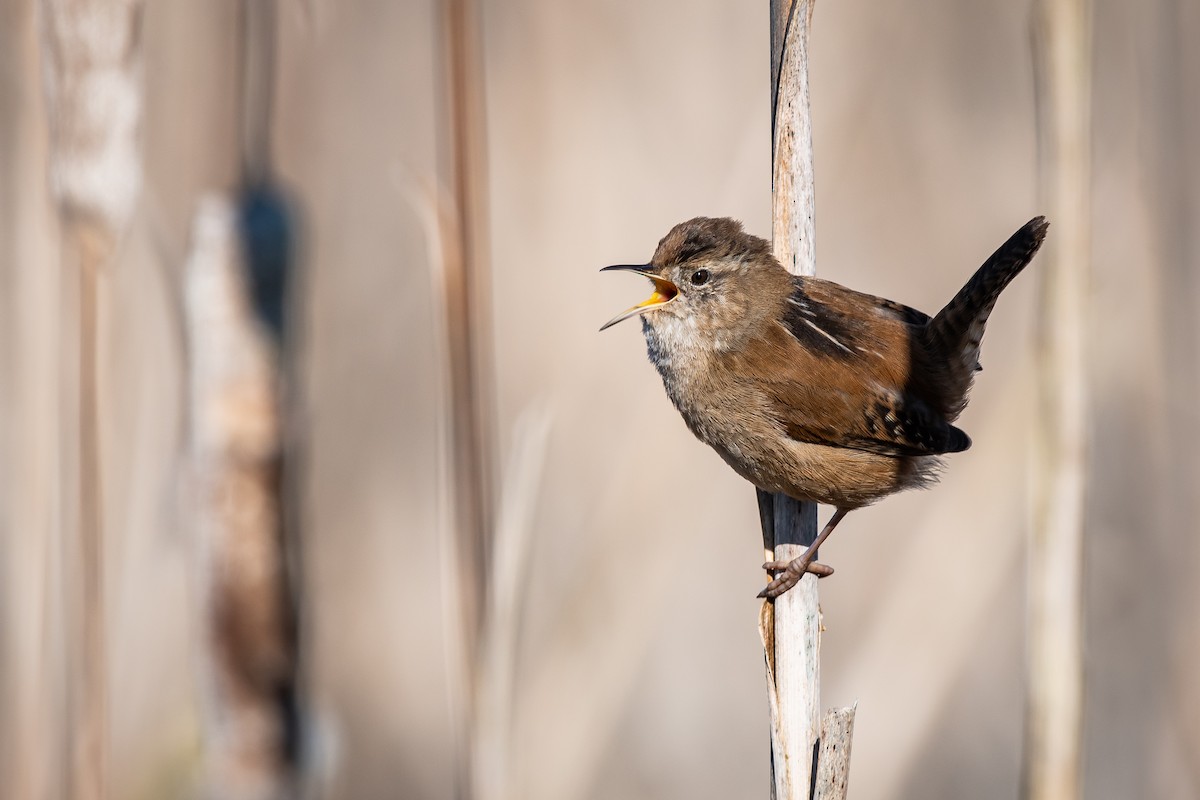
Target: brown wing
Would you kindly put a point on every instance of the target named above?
(844, 376)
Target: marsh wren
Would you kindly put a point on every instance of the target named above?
(803, 386)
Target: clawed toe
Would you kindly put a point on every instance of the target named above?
(816, 568)
(780, 585)
(791, 572)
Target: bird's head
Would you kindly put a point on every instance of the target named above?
(710, 274)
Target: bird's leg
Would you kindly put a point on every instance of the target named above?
(792, 571)
(766, 516)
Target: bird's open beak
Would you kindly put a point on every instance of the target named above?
(664, 292)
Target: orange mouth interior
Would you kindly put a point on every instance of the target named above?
(664, 292)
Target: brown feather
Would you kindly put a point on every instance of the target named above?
(805, 387)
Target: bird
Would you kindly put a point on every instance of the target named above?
(803, 386)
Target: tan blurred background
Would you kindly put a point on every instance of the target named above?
(639, 672)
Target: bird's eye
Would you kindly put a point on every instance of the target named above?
(700, 277)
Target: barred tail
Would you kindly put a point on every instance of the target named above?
(955, 333)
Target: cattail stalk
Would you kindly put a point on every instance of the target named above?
(92, 65)
(243, 453)
(810, 756)
(1062, 31)
(235, 397)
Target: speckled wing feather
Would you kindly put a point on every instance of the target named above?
(871, 340)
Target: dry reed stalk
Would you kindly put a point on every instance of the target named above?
(236, 448)
(486, 548)
(461, 282)
(1062, 31)
(257, 84)
(1168, 88)
(30, 709)
(481, 653)
(467, 317)
(432, 205)
(494, 726)
(791, 626)
(92, 81)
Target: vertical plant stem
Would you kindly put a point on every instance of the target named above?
(463, 289)
(257, 86)
(92, 80)
(791, 626)
(471, 447)
(793, 207)
(1055, 689)
(91, 746)
(796, 616)
(32, 713)
(491, 741)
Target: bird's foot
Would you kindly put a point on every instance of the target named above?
(792, 571)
